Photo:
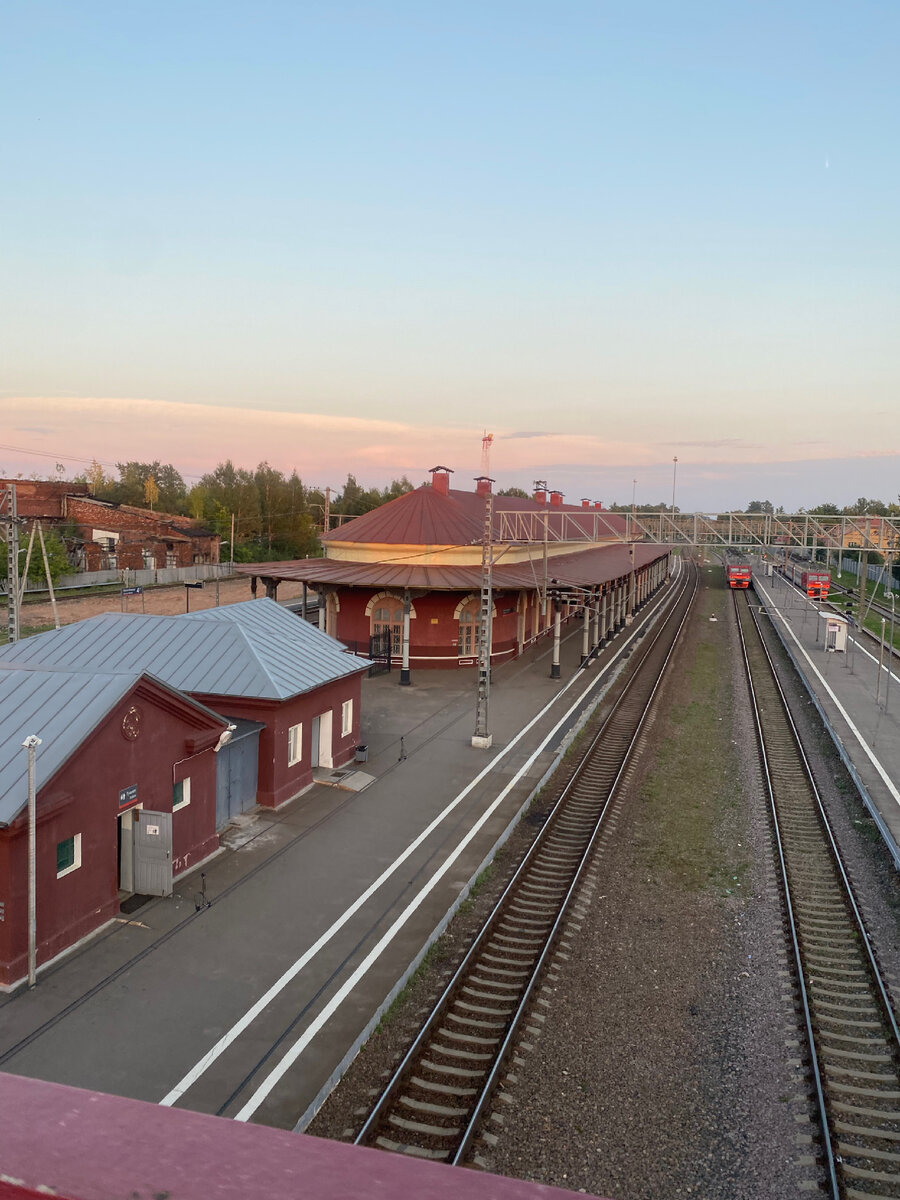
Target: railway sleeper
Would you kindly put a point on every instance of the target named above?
(484, 963)
(873, 1114)
(872, 1176)
(870, 1043)
(854, 1150)
(434, 1131)
(884, 1056)
(850, 1089)
(441, 1089)
(425, 1107)
(468, 1055)
(482, 1009)
(413, 1151)
(506, 984)
(452, 1072)
(472, 1022)
(851, 1011)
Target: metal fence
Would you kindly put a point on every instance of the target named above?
(145, 578)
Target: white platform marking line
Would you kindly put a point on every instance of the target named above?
(266, 998)
(340, 996)
(876, 763)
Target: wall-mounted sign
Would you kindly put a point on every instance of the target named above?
(128, 795)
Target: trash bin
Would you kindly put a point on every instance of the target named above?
(362, 753)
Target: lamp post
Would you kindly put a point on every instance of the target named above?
(31, 744)
(887, 690)
(187, 594)
(674, 472)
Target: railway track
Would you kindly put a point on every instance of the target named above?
(850, 1024)
(434, 1104)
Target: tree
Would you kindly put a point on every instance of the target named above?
(515, 491)
(151, 491)
(57, 558)
(760, 506)
(825, 510)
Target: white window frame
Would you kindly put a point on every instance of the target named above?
(185, 794)
(295, 744)
(77, 863)
(346, 718)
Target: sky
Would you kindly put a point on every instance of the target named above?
(353, 237)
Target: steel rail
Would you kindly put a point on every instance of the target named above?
(479, 1095)
(821, 1041)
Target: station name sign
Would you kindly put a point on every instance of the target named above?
(127, 795)
(133, 591)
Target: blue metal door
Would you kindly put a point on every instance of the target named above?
(237, 772)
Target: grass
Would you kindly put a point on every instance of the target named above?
(690, 794)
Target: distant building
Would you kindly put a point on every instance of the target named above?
(105, 536)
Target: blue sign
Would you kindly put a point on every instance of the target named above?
(133, 591)
(128, 795)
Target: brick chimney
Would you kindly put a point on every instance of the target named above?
(483, 485)
(440, 479)
(540, 491)
(598, 504)
(556, 498)
(585, 503)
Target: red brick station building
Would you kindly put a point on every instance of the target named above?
(413, 567)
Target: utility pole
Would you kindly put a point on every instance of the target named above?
(482, 737)
(9, 520)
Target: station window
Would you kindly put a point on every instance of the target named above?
(388, 619)
(346, 718)
(181, 794)
(468, 631)
(68, 855)
(295, 738)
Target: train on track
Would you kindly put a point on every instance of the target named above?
(738, 575)
(816, 583)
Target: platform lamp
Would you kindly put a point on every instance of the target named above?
(31, 744)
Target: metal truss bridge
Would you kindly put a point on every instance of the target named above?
(738, 531)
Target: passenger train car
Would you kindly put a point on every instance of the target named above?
(738, 575)
(815, 583)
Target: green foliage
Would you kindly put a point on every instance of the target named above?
(57, 559)
(515, 491)
(760, 506)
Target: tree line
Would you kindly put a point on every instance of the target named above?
(275, 516)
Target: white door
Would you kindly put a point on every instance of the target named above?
(325, 759)
(126, 849)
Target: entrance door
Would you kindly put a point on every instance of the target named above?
(153, 853)
(324, 756)
(314, 742)
(236, 776)
(126, 849)
(832, 638)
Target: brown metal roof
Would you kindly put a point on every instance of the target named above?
(595, 565)
(427, 517)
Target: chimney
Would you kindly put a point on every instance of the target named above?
(540, 491)
(483, 485)
(440, 479)
(585, 503)
(598, 504)
(556, 499)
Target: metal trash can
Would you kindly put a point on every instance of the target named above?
(362, 754)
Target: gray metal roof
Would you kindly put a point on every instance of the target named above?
(252, 650)
(62, 708)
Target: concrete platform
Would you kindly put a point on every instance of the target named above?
(858, 698)
(247, 1006)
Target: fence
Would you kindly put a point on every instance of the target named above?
(145, 578)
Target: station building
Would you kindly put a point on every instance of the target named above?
(154, 733)
(414, 565)
(115, 748)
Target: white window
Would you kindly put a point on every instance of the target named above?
(68, 855)
(346, 718)
(181, 794)
(295, 744)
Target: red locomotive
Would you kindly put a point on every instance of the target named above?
(815, 583)
(738, 576)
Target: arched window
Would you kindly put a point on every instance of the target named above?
(388, 618)
(468, 631)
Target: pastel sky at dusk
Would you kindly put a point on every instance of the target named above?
(351, 237)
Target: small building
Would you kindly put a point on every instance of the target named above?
(836, 630)
(273, 675)
(125, 782)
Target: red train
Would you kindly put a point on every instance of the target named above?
(816, 584)
(738, 575)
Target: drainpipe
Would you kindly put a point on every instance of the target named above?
(31, 743)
